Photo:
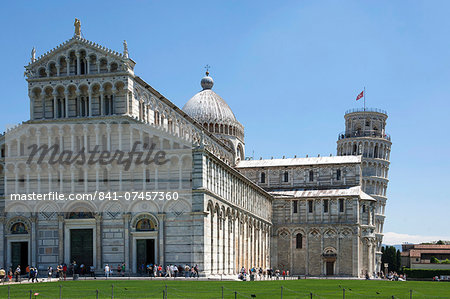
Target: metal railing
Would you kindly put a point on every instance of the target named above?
(366, 133)
(366, 110)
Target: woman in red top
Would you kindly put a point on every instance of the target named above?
(64, 271)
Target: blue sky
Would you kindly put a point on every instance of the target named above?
(288, 69)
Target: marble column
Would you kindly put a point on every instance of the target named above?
(2, 238)
(66, 104)
(32, 100)
(161, 239)
(98, 236)
(55, 106)
(90, 103)
(61, 238)
(33, 246)
(78, 63)
(126, 224)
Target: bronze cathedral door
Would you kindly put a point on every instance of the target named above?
(81, 246)
(145, 253)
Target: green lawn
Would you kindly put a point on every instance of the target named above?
(213, 289)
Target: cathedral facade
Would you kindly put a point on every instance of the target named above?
(190, 196)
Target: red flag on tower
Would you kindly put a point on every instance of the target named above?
(360, 95)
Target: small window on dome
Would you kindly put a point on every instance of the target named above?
(286, 177)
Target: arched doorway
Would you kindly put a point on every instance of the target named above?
(145, 240)
(19, 245)
(329, 256)
(79, 238)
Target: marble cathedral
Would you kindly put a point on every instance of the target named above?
(312, 216)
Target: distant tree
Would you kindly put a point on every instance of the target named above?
(440, 242)
(399, 260)
(434, 260)
(392, 256)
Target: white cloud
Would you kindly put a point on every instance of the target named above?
(391, 238)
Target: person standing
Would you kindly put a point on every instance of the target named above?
(27, 271)
(64, 271)
(10, 274)
(107, 271)
(49, 273)
(186, 271)
(196, 270)
(17, 273)
(34, 274)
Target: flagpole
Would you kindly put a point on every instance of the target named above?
(364, 98)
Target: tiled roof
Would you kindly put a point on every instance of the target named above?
(300, 161)
(353, 191)
(419, 252)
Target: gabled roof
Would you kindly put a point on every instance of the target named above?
(300, 161)
(353, 191)
(73, 40)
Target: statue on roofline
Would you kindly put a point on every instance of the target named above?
(77, 25)
(125, 49)
(33, 55)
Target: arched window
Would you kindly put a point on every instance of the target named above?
(114, 67)
(355, 149)
(375, 152)
(263, 177)
(338, 175)
(286, 177)
(299, 241)
(42, 73)
(83, 66)
(53, 70)
(19, 228)
(311, 176)
(145, 225)
(103, 65)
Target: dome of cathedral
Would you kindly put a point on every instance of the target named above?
(207, 107)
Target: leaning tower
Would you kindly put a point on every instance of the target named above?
(365, 135)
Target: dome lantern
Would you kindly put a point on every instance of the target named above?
(207, 82)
